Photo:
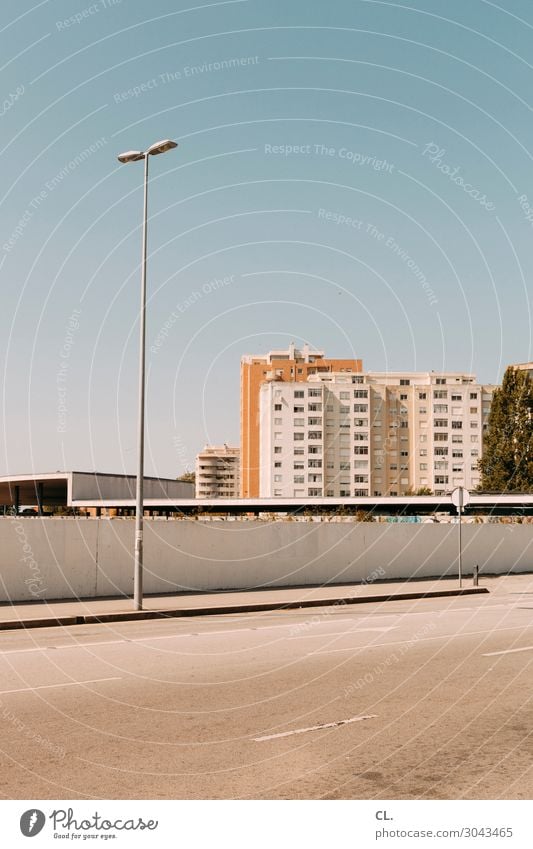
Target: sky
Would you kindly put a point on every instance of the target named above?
(356, 174)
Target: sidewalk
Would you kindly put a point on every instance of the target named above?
(90, 611)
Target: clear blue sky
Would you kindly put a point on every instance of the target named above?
(355, 174)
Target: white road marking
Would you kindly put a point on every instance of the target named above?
(415, 640)
(314, 728)
(65, 684)
(350, 633)
(292, 625)
(508, 651)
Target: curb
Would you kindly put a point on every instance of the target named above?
(255, 607)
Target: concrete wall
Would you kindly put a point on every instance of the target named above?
(94, 486)
(67, 558)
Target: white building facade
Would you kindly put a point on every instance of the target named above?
(343, 435)
(218, 472)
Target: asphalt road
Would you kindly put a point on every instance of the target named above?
(418, 699)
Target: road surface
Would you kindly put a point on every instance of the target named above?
(408, 700)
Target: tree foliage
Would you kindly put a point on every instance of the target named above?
(187, 477)
(507, 461)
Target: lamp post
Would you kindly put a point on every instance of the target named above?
(135, 156)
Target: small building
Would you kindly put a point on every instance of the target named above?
(218, 472)
(84, 490)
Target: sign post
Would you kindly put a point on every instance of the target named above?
(460, 498)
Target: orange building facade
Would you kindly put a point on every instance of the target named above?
(289, 365)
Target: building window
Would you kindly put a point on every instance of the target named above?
(314, 408)
(314, 449)
(404, 381)
(423, 467)
(344, 410)
(473, 396)
(441, 479)
(345, 396)
(315, 434)
(314, 420)
(441, 452)
(440, 380)
(360, 422)
(314, 478)
(359, 393)
(456, 397)
(360, 449)
(360, 478)
(360, 437)
(423, 452)
(474, 437)
(360, 408)
(360, 493)
(314, 393)
(441, 423)
(298, 464)
(298, 437)
(298, 451)
(440, 408)
(314, 491)
(299, 478)
(299, 393)
(299, 408)
(422, 396)
(277, 407)
(456, 425)
(277, 449)
(440, 393)
(278, 421)
(278, 478)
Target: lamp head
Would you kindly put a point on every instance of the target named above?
(130, 156)
(161, 147)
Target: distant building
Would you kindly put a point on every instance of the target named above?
(525, 367)
(342, 435)
(218, 472)
(275, 367)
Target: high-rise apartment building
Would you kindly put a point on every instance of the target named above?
(342, 435)
(274, 368)
(217, 472)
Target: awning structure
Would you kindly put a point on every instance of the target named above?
(71, 489)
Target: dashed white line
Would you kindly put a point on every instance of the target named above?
(508, 651)
(65, 684)
(314, 728)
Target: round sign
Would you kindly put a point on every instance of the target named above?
(460, 497)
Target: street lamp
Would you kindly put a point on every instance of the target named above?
(135, 156)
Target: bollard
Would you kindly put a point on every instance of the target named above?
(475, 575)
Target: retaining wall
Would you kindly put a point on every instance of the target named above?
(70, 558)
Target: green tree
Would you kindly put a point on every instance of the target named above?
(507, 461)
(187, 477)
